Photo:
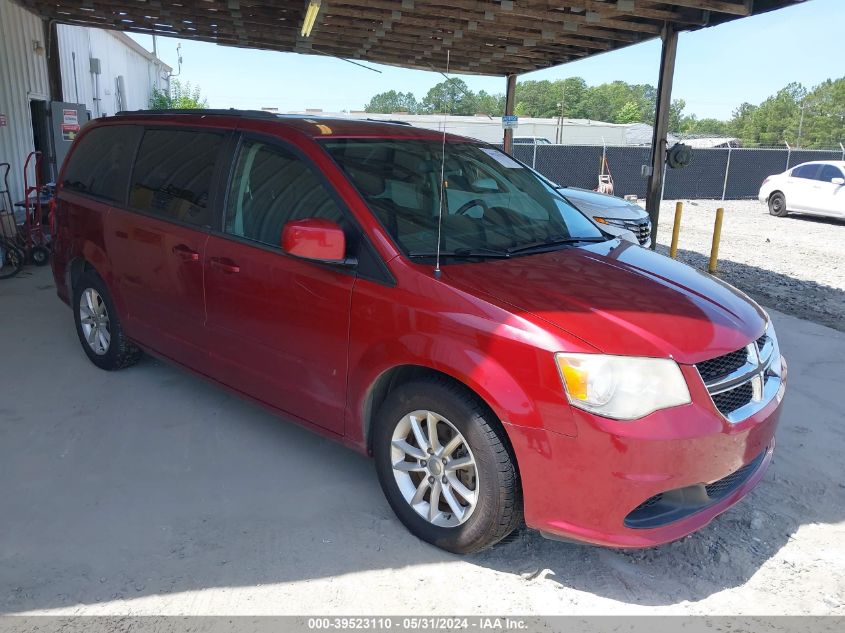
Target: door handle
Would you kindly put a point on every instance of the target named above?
(188, 254)
(225, 265)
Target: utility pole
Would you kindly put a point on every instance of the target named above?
(561, 105)
(801, 122)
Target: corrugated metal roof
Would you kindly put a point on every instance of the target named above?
(492, 38)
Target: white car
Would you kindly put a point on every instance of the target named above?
(815, 187)
(615, 215)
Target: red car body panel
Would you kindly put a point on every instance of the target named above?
(313, 341)
(300, 368)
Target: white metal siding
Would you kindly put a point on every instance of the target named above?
(23, 75)
(117, 58)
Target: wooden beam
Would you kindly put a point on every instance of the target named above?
(719, 6)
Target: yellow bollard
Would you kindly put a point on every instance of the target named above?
(676, 229)
(717, 235)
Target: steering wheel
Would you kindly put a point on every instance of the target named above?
(476, 202)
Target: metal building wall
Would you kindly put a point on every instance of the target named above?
(23, 76)
(119, 56)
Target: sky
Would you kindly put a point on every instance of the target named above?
(717, 68)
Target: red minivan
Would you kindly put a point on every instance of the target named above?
(537, 370)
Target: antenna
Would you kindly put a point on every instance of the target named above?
(442, 175)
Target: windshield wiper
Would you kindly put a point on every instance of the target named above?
(551, 243)
(465, 253)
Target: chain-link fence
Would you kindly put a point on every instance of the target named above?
(717, 173)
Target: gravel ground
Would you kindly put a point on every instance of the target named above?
(150, 491)
(795, 264)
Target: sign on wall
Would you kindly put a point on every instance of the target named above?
(70, 125)
(510, 121)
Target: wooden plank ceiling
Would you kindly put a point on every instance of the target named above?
(484, 37)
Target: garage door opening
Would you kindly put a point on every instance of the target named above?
(41, 136)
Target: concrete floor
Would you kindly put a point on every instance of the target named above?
(150, 491)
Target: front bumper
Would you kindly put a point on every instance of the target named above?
(587, 488)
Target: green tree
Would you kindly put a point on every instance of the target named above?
(676, 114)
(180, 97)
(392, 101)
(824, 115)
(776, 120)
(741, 124)
(605, 101)
(451, 96)
(493, 105)
(630, 113)
(549, 98)
(694, 126)
(778, 117)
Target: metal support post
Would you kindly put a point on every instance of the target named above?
(727, 171)
(510, 96)
(717, 236)
(654, 194)
(676, 229)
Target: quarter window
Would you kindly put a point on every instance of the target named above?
(101, 162)
(271, 187)
(172, 175)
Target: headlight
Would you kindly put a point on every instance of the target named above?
(610, 221)
(621, 387)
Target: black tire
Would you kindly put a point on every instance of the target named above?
(13, 259)
(120, 352)
(40, 255)
(498, 509)
(777, 204)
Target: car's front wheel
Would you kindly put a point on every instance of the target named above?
(445, 468)
(777, 204)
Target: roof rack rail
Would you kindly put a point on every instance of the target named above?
(201, 111)
(397, 122)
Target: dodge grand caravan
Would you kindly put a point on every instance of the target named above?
(543, 372)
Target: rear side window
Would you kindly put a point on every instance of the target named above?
(100, 164)
(172, 175)
(271, 187)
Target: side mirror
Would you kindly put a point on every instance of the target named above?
(314, 238)
(486, 184)
(838, 181)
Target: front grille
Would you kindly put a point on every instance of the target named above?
(673, 505)
(726, 485)
(651, 501)
(761, 342)
(716, 368)
(729, 401)
(640, 228)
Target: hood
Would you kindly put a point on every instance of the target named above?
(621, 299)
(600, 204)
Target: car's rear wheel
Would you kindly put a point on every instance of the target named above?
(777, 204)
(98, 325)
(444, 465)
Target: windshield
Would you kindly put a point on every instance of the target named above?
(492, 204)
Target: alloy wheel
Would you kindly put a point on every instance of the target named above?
(434, 468)
(94, 320)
